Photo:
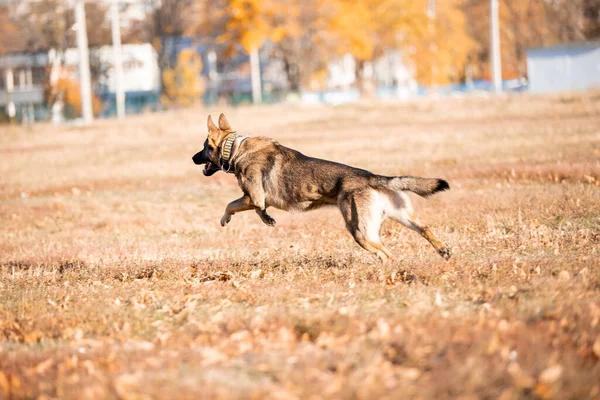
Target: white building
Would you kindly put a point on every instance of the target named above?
(21, 83)
(140, 67)
(566, 67)
(388, 70)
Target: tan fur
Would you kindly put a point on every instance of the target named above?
(271, 175)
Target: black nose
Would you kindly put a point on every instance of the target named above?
(197, 158)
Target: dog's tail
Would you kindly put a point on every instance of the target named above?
(424, 187)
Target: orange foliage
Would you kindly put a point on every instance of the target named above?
(364, 28)
(439, 47)
(524, 26)
(353, 26)
(183, 84)
(69, 91)
(10, 39)
(251, 22)
(440, 51)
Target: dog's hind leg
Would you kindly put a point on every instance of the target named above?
(372, 245)
(401, 211)
(363, 217)
(244, 203)
(424, 231)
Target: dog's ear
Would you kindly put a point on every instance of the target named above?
(211, 125)
(224, 124)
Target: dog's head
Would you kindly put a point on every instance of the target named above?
(210, 155)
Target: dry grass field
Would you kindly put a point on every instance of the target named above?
(117, 281)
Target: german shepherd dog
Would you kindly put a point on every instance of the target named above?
(272, 175)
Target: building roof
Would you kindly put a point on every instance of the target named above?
(581, 45)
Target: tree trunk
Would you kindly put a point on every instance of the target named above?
(255, 76)
(292, 74)
(359, 69)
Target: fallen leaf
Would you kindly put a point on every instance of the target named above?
(438, 300)
(256, 274)
(543, 391)
(551, 375)
(564, 276)
(211, 356)
(412, 374)
(32, 337)
(219, 276)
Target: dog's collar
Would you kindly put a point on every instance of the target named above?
(227, 150)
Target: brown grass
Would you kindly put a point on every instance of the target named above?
(116, 280)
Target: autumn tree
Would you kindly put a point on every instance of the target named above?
(309, 34)
(439, 47)
(47, 24)
(574, 20)
(352, 26)
(437, 44)
(523, 25)
(292, 26)
(249, 23)
(303, 47)
(318, 31)
(10, 36)
(182, 84)
(591, 16)
(529, 24)
(165, 22)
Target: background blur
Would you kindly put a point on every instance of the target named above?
(179, 52)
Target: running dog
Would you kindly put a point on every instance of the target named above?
(272, 175)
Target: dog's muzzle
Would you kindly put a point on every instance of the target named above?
(209, 167)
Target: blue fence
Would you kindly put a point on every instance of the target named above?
(513, 85)
(135, 103)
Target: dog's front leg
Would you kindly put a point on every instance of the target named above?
(239, 205)
(266, 218)
(244, 203)
(257, 198)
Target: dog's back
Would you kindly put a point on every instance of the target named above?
(294, 181)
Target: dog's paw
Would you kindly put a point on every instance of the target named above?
(445, 252)
(268, 220)
(225, 219)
